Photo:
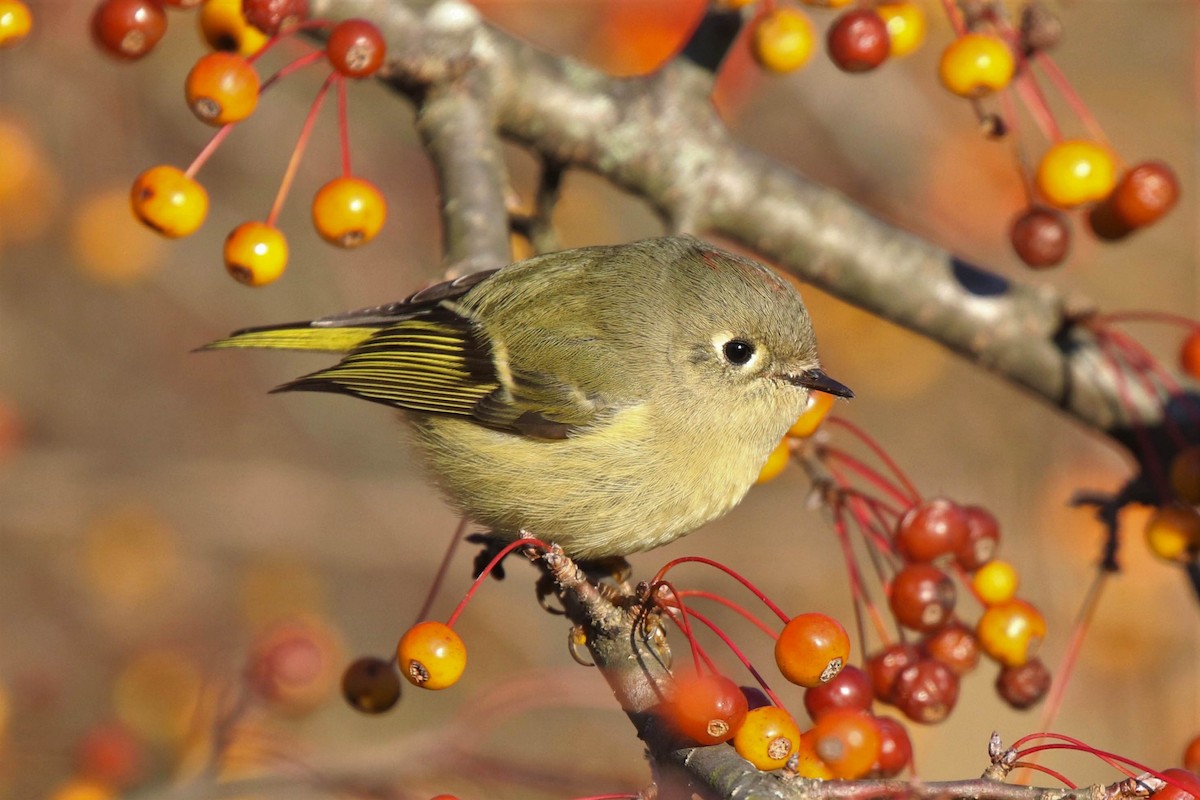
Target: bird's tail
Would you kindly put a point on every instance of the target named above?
(296, 336)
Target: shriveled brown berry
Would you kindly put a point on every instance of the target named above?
(955, 646)
(128, 29)
(1024, 686)
(371, 685)
(858, 41)
(926, 692)
(922, 597)
(884, 665)
(1041, 237)
(269, 16)
(983, 536)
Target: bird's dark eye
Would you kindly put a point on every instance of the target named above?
(738, 352)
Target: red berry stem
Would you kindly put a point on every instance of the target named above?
(868, 474)
(307, 25)
(682, 621)
(728, 571)
(1112, 759)
(537, 544)
(1071, 97)
(857, 590)
(343, 124)
(1066, 665)
(1030, 92)
(289, 175)
(440, 575)
(289, 68)
(954, 14)
(880, 453)
(1102, 320)
(738, 608)
(1149, 370)
(737, 651)
(208, 149)
(1058, 776)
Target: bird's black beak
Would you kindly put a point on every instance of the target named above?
(817, 380)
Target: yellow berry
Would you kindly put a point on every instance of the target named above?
(829, 3)
(776, 462)
(1076, 171)
(166, 199)
(812, 416)
(808, 763)
(767, 738)
(348, 211)
(783, 40)
(255, 253)
(976, 64)
(15, 22)
(222, 88)
(431, 655)
(1011, 632)
(1173, 533)
(906, 26)
(224, 28)
(995, 582)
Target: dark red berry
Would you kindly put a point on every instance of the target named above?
(955, 646)
(356, 48)
(1024, 686)
(895, 748)
(128, 29)
(1041, 237)
(1145, 193)
(269, 16)
(926, 691)
(1106, 224)
(922, 597)
(931, 530)
(983, 536)
(850, 688)
(884, 665)
(858, 41)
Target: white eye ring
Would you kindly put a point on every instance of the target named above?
(735, 350)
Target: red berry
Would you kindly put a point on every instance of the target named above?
(128, 29)
(1024, 686)
(886, 665)
(955, 646)
(707, 709)
(1184, 785)
(371, 685)
(1145, 193)
(269, 16)
(895, 748)
(922, 597)
(1191, 755)
(931, 530)
(851, 688)
(983, 535)
(858, 41)
(1189, 354)
(356, 48)
(112, 755)
(926, 691)
(1041, 237)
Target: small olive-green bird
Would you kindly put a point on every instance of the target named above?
(607, 399)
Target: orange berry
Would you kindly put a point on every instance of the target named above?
(348, 211)
(1189, 354)
(906, 26)
(167, 200)
(1185, 475)
(1191, 755)
(995, 582)
(848, 742)
(819, 404)
(1173, 533)
(222, 88)
(783, 40)
(225, 28)
(431, 655)
(707, 709)
(1074, 172)
(1011, 632)
(255, 253)
(976, 64)
(767, 738)
(829, 3)
(811, 649)
(775, 463)
(15, 22)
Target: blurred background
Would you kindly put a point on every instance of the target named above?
(164, 523)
